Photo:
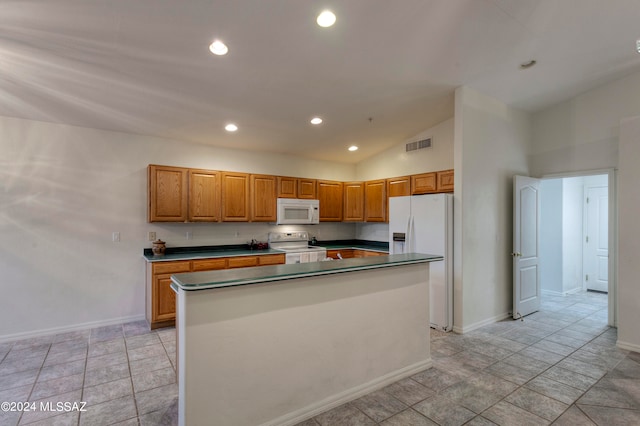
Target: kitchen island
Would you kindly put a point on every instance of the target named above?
(275, 345)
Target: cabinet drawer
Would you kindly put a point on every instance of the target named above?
(243, 262)
(271, 259)
(171, 267)
(209, 264)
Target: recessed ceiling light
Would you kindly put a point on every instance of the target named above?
(528, 64)
(231, 127)
(353, 148)
(326, 19)
(218, 48)
(316, 120)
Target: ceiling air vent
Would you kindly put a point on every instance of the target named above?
(414, 146)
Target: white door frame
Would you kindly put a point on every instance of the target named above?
(613, 234)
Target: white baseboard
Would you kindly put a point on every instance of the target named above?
(479, 324)
(68, 328)
(336, 400)
(628, 346)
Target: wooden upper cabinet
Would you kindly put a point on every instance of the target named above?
(287, 187)
(263, 198)
(330, 196)
(399, 186)
(375, 201)
(167, 196)
(307, 188)
(424, 183)
(445, 181)
(235, 197)
(353, 201)
(204, 196)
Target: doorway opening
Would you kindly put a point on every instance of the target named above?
(575, 239)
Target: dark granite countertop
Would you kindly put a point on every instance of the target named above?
(206, 252)
(242, 276)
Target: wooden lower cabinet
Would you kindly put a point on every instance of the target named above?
(161, 299)
(271, 259)
(242, 262)
(350, 253)
(367, 253)
(208, 264)
(345, 253)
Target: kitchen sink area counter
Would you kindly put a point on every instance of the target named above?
(205, 252)
(276, 345)
(377, 246)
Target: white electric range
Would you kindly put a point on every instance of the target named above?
(296, 247)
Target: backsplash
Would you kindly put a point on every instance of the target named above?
(201, 234)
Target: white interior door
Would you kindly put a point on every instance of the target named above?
(596, 242)
(526, 243)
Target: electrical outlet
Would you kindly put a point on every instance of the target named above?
(189, 235)
(115, 237)
(151, 236)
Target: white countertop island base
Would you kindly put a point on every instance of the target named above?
(278, 353)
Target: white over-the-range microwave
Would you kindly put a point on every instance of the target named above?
(293, 211)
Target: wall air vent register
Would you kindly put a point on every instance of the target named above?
(421, 144)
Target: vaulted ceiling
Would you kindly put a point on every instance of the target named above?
(383, 73)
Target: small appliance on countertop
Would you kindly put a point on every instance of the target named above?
(296, 247)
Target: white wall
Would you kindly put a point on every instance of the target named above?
(585, 133)
(397, 162)
(629, 236)
(66, 189)
(491, 142)
(572, 232)
(582, 133)
(551, 236)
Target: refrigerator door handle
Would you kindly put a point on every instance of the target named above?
(407, 242)
(408, 247)
(412, 231)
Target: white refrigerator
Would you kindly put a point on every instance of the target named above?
(424, 224)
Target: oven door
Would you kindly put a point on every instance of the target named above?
(296, 257)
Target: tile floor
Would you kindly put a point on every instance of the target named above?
(559, 365)
(125, 374)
